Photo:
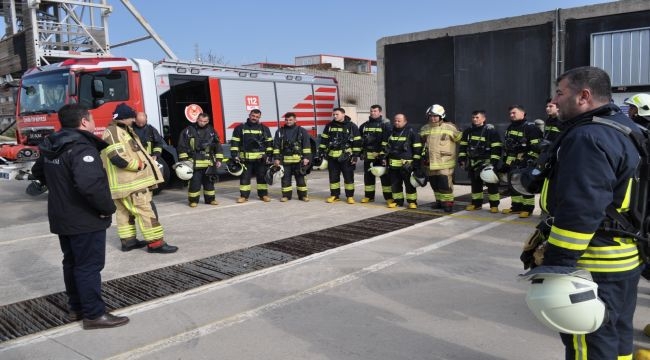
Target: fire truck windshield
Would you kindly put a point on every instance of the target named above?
(43, 93)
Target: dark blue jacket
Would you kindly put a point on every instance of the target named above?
(593, 168)
(71, 168)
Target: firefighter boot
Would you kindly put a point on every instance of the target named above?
(128, 245)
(642, 354)
(437, 205)
(448, 206)
(161, 247)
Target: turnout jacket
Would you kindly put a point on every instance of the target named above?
(340, 137)
(551, 128)
(373, 132)
(521, 143)
(150, 139)
(402, 146)
(200, 144)
(439, 141)
(291, 144)
(480, 145)
(127, 163)
(71, 167)
(593, 168)
(251, 141)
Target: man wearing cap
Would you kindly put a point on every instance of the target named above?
(131, 174)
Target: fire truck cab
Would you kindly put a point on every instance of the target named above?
(172, 93)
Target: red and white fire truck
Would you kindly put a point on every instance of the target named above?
(172, 94)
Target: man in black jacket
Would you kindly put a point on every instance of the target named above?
(79, 211)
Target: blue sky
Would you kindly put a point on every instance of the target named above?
(242, 32)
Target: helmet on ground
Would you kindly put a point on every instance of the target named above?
(566, 303)
(489, 175)
(418, 179)
(235, 168)
(377, 170)
(184, 170)
(642, 102)
(274, 174)
(436, 109)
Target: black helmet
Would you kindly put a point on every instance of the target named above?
(418, 179)
(273, 174)
(407, 169)
(235, 168)
(317, 161)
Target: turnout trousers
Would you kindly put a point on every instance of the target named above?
(293, 170)
(137, 208)
(257, 168)
(335, 169)
(477, 185)
(370, 182)
(398, 182)
(197, 181)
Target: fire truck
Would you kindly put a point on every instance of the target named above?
(172, 93)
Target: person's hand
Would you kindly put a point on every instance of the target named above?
(276, 162)
(217, 164)
(462, 164)
(305, 162)
(354, 160)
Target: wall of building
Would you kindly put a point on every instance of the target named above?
(491, 64)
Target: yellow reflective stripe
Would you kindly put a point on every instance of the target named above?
(625, 357)
(580, 347)
(479, 138)
(625, 206)
(611, 252)
(114, 147)
(516, 133)
(444, 165)
(568, 239)
(609, 265)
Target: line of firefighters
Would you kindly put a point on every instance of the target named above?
(402, 157)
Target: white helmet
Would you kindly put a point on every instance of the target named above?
(184, 170)
(323, 165)
(566, 303)
(418, 179)
(274, 174)
(489, 175)
(642, 102)
(377, 170)
(436, 109)
(235, 168)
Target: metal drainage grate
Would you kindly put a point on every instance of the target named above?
(46, 312)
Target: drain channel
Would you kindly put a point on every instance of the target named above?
(46, 312)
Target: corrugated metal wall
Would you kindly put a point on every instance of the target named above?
(625, 55)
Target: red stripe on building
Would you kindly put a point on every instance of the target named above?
(311, 106)
(321, 97)
(326, 89)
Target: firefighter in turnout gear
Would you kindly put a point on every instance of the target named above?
(292, 149)
(522, 145)
(149, 136)
(131, 174)
(480, 145)
(552, 123)
(252, 145)
(439, 139)
(373, 133)
(199, 145)
(340, 145)
(590, 171)
(403, 153)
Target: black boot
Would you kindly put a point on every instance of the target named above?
(437, 205)
(161, 249)
(128, 245)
